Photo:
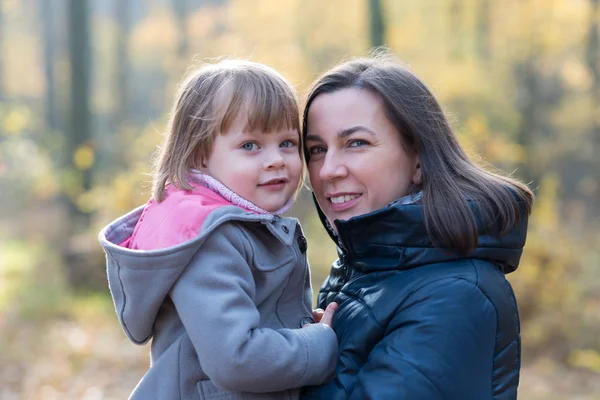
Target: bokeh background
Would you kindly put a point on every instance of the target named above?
(85, 88)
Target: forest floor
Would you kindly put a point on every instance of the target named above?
(84, 355)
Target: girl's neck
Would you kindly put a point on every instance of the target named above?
(217, 187)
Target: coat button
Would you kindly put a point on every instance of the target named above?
(285, 229)
(306, 321)
(302, 244)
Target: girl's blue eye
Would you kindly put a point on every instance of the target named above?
(250, 146)
(287, 144)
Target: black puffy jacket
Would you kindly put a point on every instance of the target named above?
(419, 323)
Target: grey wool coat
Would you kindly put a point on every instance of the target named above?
(223, 310)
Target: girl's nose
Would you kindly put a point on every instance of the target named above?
(274, 160)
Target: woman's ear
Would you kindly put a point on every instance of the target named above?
(417, 177)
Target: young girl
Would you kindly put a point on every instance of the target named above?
(208, 268)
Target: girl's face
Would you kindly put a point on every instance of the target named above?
(357, 160)
(263, 168)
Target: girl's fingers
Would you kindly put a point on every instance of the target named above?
(328, 314)
(318, 314)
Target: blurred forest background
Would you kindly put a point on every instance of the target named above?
(85, 88)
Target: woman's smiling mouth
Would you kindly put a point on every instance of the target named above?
(341, 202)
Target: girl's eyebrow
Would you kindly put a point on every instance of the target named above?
(343, 133)
(246, 135)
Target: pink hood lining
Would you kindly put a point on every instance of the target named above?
(180, 216)
(216, 186)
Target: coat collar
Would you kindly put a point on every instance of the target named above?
(395, 238)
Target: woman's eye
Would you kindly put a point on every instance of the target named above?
(317, 150)
(357, 143)
(250, 146)
(287, 144)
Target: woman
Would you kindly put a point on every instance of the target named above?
(424, 239)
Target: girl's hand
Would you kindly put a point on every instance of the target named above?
(325, 317)
(318, 314)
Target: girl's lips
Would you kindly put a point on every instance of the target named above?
(274, 186)
(274, 181)
(345, 205)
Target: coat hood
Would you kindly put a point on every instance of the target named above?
(139, 280)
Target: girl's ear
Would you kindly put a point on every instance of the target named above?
(417, 177)
(201, 162)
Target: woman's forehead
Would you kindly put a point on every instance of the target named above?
(344, 112)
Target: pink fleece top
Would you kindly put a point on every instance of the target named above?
(179, 217)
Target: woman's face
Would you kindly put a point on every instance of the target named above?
(357, 160)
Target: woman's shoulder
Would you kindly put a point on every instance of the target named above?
(479, 273)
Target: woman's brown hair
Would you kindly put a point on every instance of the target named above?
(450, 180)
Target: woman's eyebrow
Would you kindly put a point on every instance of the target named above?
(349, 131)
(314, 138)
(343, 133)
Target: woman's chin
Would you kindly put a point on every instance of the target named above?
(343, 215)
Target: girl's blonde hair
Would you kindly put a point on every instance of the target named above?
(208, 102)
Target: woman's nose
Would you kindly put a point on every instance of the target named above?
(332, 167)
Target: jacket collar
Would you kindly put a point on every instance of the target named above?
(395, 238)
(228, 194)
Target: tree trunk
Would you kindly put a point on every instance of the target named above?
(47, 21)
(1, 58)
(377, 24)
(526, 79)
(593, 61)
(123, 16)
(79, 131)
(113, 157)
(81, 258)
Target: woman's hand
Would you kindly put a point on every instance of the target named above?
(324, 317)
